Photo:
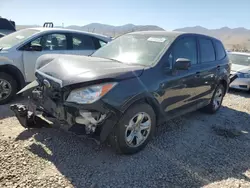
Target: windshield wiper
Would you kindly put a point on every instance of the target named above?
(122, 61)
(113, 60)
(110, 59)
(126, 62)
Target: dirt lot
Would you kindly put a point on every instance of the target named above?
(191, 151)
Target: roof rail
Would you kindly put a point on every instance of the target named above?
(48, 24)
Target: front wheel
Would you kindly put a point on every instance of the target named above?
(8, 88)
(216, 100)
(134, 130)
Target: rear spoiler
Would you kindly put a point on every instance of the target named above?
(48, 24)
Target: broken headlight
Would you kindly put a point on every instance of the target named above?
(89, 94)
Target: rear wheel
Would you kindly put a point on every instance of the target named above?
(216, 100)
(8, 88)
(134, 130)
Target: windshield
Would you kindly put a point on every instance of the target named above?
(15, 38)
(240, 59)
(134, 49)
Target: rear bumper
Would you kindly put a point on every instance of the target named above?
(241, 84)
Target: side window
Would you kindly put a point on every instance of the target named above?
(102, 43)
(51, 42)
(36, 42)
(98, 43)
(186, 48)
(206, 50)
(220, 51)
(54, 42)
(82, 42)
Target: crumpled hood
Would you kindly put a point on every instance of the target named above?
(239, 69)
(73, 69)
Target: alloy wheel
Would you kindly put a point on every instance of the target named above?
(138, 129)
(218, 98)
(5, 89)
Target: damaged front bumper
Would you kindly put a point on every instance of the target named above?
(97, 119)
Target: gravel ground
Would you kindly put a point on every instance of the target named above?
(194, 150)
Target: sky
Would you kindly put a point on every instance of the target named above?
(168, 14)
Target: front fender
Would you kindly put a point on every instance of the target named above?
(5, 60)
(148, 98)
(114, 117)
(224, 77)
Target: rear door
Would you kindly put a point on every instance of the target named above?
(54, 43)
(81, 44)
(208, 69)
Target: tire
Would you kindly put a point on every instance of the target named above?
(212, 108)
(123, 131)
(7, 81)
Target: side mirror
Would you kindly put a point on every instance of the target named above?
(182, 64)
(35, 47)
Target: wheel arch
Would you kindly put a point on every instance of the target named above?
(144, 98)
(15, 73)
(225, 85)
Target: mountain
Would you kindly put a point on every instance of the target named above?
(233, 38)
(111, 30)
(105, 29)
(19, 27)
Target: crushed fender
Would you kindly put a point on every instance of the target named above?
(90, 120)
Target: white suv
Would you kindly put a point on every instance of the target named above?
(20, 50)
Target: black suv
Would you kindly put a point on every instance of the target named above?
(6, 27)
(122, 91)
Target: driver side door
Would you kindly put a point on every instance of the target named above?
(180, 85)
(55, 43)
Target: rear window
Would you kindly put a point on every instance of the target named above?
(220, 51)
(206, 50)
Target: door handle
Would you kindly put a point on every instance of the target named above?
(198, 74)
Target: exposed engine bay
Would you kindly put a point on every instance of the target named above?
(48, 104)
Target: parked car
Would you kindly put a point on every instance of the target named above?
(130, 85)
(20, 50)
(6, 27)
(240, 73)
